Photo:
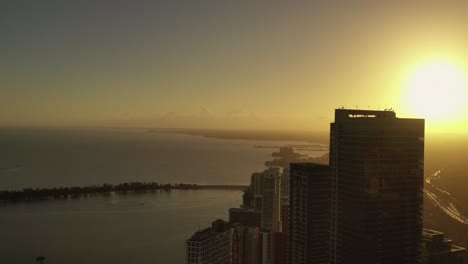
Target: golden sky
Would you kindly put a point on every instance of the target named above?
(225, 64)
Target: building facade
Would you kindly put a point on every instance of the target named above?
(211, 245)
(377, 163)
(309, 213)
(245, 216)
(271, 219)
(266, 247)
(285, 187)
(256, 184)
(280, 248)
(245, 245)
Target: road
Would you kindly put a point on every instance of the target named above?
(443, 199)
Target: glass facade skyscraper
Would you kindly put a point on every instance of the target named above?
(377, 171)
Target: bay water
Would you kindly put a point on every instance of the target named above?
(115, 228)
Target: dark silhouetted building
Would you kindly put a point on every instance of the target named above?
(309, 213)
(377, 163)
(211, 245)
(256, 184)
(245, 216)
(280, 248)
(439, 250)
(285, 187)
(285, 218)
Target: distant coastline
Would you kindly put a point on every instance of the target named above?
(301, 136)
(30, 194)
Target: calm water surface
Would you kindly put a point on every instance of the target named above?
(143, 228)
(52, 157)
(136, 228)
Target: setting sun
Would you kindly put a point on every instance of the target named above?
(436, 91)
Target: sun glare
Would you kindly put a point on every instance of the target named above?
(436, 91)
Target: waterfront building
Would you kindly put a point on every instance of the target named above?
(309, 213)
(377, 163)
(439, 250)
(211, 245)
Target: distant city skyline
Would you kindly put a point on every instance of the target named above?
(230, 64)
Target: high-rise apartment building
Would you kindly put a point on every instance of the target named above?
(309, 213)
(211, 245)
(271, 200)
(377, 163)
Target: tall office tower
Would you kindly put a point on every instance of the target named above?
(271, 200)
(211, 245)
(377, 163)
(309, 213)
(439, 250)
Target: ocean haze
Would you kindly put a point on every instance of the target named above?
(77, 157)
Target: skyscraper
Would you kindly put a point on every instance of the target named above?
(377, 163)
(309, 213)
(271, 200)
